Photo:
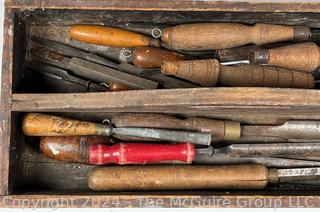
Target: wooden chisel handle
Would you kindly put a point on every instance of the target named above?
(72, 150)
(208, 36)
(166, 177)
(151, 57)
(210, 72)
(302, 56)
(37, 124)
(110, 36)
(220, 130)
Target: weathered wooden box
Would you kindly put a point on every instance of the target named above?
(30, 180)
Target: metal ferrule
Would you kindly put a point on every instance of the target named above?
(102, 129)
(259, 56)
(301, 33)
(232, 130)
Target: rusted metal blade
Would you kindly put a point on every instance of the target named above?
(290, 131)
(282, 150)
(224, 159)
(166, 135)
(298, 174)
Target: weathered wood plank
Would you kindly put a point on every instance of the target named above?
(172, 5)
(208, 99)
(133, 19)
(5, 102)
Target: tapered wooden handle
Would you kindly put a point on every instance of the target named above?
(203, 72)
(178, 177)
(110, 36)
(210, 72)
(37, 124)
(151, 57)
(71, 148)
(302, 56)
(264, 76)
(220, 130)
(84, 149)
(208, 36)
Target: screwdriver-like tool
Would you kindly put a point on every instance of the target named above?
(37, 124)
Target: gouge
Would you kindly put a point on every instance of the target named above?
(302, 56)
(186, 177)
(232, 131)
(208, 36)
(37, 124)
(110, 36)
(211, 72)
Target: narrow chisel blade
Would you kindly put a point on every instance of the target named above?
(299, 174)
(166, 135)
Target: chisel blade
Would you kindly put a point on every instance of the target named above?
(166, 135)
(202, 157)
(298, 174)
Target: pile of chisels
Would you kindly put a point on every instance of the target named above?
(105, 58)
(137, 151)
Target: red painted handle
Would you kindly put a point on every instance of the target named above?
(126, 153)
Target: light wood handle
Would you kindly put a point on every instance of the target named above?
(220, 130)
(110, 36)
(203, 72)
(208, 36)
(210, 72)
(37, 124)
(151, 57)
(302, 56)
(178, 177)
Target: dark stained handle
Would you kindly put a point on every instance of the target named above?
(71, 148)
(114, 86)
(302, 57)
(110, 36)
(151, 57)
(37, 124)
(172, 177)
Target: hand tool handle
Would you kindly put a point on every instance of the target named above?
(114, 86)
(264, 76)
(135, 153)
(227, 35)
(70, 148)
(88, 150)
(110, 36)
(302, 56)
(37, 124)
(151, 57)
(210, 72)
(172, 177)
(220, 130)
